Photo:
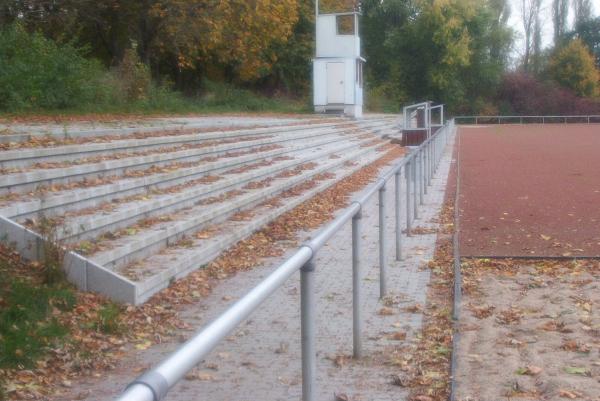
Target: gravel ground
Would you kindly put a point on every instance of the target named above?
(261, 360)
(529, 331)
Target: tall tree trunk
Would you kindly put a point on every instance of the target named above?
(530, 10)
(560, 13)
(582, 10)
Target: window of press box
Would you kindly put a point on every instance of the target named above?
(346, 24)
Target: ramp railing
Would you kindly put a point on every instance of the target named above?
(581, 119)
(419, 168)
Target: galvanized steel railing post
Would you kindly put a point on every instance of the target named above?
(356, 315)
(398, 182)
(421, 161)
(382, 244)
(433, 158)
(307, 313)
(435, 153)
(430, 162)
(425, 168)
(413, 169)
(408, 174)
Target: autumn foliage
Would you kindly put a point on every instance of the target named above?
(523, 94)
(573, 67)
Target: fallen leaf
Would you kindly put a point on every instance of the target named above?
(398, 381)
(201, 376)
(534, 370)
(144, 345)
(573, 370)
(385, 311)
(398, 336)
(569, 394)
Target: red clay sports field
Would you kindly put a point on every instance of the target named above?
(530, 190)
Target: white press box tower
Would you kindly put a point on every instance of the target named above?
(338, 65)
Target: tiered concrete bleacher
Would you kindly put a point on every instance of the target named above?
(132, 206)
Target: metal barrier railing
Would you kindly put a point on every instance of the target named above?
(591, 119)
(419, 167)
(422, 117)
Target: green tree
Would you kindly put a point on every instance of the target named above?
(181, 38)
(573, 67)
(37, 73)
(589, 32)
(384, 30)
(452, 51)
(292, 71)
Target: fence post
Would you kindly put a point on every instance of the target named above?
(307, 313)
(382, 245)
(421, 177)
(425, 168)
(431, 160)
(408, 173)
(398, 205)
(415, 187)
(435, 155)
(356, 315)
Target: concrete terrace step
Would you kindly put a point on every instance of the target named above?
(148, 208)
(76, 131)
(52, 203)
(26, 156)
(118, 214)
(155, 272)
(31, 179)
(130, 248)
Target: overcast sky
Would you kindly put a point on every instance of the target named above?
(516, 23)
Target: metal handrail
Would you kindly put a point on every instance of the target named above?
(589, 119)
(409, 112)
(419, 167)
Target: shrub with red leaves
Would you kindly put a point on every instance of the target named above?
(523, 94)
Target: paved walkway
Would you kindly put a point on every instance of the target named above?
(261, 360)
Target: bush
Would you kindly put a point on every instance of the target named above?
(383, 98)
(224, 97)
(37, 73)
(134, 77)
(523, 94)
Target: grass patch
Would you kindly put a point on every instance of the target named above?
(218, 98)
(28, 318)
(109, 319)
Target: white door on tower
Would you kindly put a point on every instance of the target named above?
(335, 83)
